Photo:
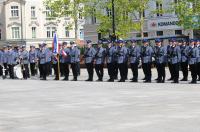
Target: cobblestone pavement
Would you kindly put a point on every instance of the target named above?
(58, 106)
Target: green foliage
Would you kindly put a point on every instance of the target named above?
(188, 12)
(125, 12)
(64, 8)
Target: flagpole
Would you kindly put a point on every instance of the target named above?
(58, 56)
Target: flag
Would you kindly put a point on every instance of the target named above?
(55, 44)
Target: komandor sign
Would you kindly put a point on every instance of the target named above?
(163, 24)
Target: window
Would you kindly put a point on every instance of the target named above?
(138, 35)
(145, 34)
(14, 11)
(178, 32)
(159, 33)
(49, 12)
(33, 11)
(33, 32)
(81, 34)
(66, 32)
(0, 34)
(15, 33)
(159, 8)
(109, 12)
(80, 13)
(50, 32)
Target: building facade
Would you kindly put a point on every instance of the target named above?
(156, 25)
(29, 22)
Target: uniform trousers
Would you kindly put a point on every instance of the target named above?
(56, 72)
(161, 71)
(184, 68)
(198, 70)
(171, 69)
(99, 70)
(25, 71)
(134, 68)
(193, 68)
(74, 67)
(44, 71)
(66, 70)
(32, 67)
(11, 71)
(147, 71)
(122, 70)
(90, 70)
(111, 72)
(175, 72)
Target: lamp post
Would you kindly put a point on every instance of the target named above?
(113, 17)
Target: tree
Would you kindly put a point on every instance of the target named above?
(129, 15)
(63, 8)
(188, 12)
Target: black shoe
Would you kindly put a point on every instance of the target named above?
(65, 79)
(175, 82)
(193, 82)
(121, 80)
(170, 79)
(99, 80)
(110, 80)
(75, 79)
(134, 80)
(56, 79)
(89, 80)
(147, 81)
(43, 79)
(144, 78)
(156, 79)
(184, 79)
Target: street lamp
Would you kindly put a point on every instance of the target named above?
(113, 17)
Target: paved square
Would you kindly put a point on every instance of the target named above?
(50, 106)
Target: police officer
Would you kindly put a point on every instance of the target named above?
(89, 56)
(13, 58)
(175, 58)
(66, 60)
(193, 54)
(110, 61)
(122, 53)
(169, 53)
(115, 60)
(1, 63)
(99, 61)
(62, 58)
(38, 59)
(184, 59)
(134, 53)
(43, 56)
(198, 59)
(160, 59)
(33, 59)
(126, 60)
(24, 59)
(5, 59)
(74, 59)
(49, 56)
(146, 57)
